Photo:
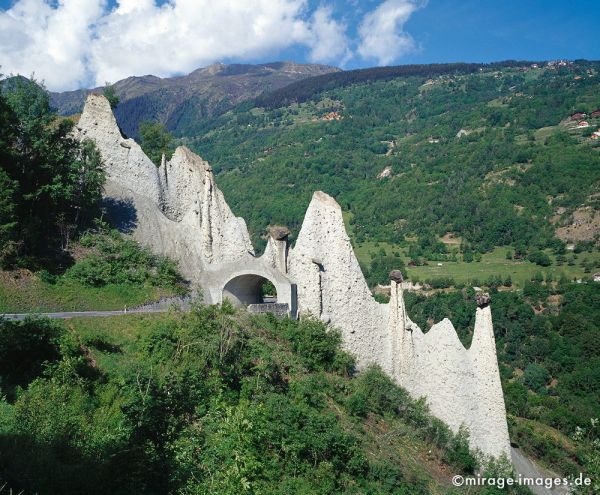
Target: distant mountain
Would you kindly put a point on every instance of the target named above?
(495, 154)
(181, 103)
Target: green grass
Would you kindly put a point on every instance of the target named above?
(122, 332)
(495, 263)
(30, 294)
(491, 264)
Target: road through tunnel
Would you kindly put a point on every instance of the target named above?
(244, 290)
(251, 284)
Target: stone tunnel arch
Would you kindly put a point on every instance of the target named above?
(241, 285)
(244, 290)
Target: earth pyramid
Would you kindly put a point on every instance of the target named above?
(177, 210)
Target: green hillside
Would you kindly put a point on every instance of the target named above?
(487, 153)
(209, 402)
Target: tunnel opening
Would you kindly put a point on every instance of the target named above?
(246, 290)
(261, 293)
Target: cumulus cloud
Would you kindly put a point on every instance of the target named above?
(327, 38)
(52, 42)
(75, 43)
(140, 37)
(70, 43)
(381, 32)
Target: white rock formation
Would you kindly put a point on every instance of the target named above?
(462, 387)
(331, 285)
(179, 210)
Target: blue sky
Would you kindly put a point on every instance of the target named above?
(493, 30)
(75, 43)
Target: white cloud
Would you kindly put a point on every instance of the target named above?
(381, 32)
(327, 38)
(52, 42)
(75, 43)
(71, 43)
(142, 38)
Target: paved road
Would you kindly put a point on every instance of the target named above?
(528, 469)
(161, 306)
(81, 314)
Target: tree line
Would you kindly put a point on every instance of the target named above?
(50, 182)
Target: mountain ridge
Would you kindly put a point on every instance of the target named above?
(204, 92)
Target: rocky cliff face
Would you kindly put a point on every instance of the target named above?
(331, 285)
(462, 387)
(176, 209)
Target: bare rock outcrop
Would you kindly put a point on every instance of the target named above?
(482, 299)
(331, 285)
(178, 210)
(461, 386)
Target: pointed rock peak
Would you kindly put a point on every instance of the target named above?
(98, 100)
(319, 197)
(97, 112)
(443, 334)
(186, 155)
(483, 333)
(97, 104)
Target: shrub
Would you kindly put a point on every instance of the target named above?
(116, 260)
(536, 377)
(317, 345)
(25, 347)
(458, 453)
(539, 258)
(515, 395)
(375, 392)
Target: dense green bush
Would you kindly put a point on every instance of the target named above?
(318, 350)
(458, 453)
(536, 377)
(25, 348)
(156, 141)
(114, 259)
(214, 402)
(374, 392)
(539, 258)
(50, 183)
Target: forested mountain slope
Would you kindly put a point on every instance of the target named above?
(495, 154)
(181, 102)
